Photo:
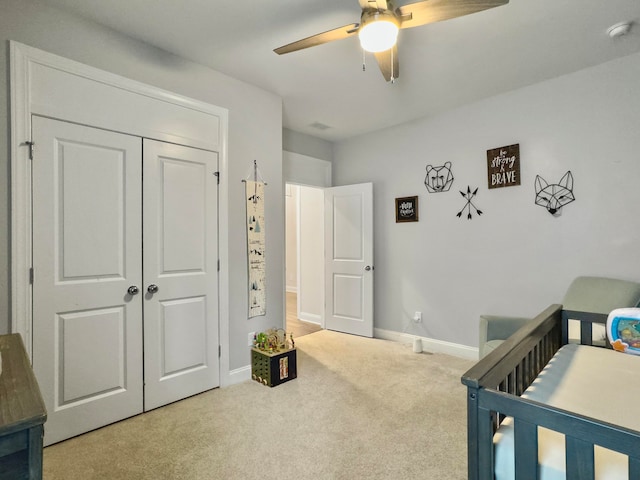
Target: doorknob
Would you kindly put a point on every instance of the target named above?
(133, 290)
(153, 288)
(367, 268)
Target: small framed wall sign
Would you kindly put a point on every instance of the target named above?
(503, 166)
(407, 209)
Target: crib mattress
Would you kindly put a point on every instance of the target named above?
(588, 381)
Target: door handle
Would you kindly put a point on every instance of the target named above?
(153, 288)
(367, 268)
(133, 290)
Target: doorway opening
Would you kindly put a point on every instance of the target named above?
(304, 267)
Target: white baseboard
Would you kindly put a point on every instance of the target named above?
(243, 374)
(238, 375)
(429, 344)
(311, 318)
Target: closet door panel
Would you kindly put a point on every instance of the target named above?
(182, 213)
(87, 328)
(180, 272)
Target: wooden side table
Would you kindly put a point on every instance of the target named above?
(22, 413)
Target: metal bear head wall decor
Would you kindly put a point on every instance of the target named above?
(438, 179)
(556, 195)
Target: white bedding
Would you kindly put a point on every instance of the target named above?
(585, 380)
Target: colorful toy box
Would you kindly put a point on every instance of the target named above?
(273, 368)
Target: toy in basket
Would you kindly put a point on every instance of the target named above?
(623, 330)
(273, 357)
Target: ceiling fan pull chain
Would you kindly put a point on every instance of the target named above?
(393, 77)
(364, 60)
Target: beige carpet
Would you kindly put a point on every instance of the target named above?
(360, 408)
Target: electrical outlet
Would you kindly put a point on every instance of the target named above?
(417, 317)
(251, 337)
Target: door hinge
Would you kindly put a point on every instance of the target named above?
(219, 351)
(31, 146)
(31, 276)
(218, 264)
(217, 174)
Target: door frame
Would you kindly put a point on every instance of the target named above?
(305, 171)
(114, 95)
(304, 316)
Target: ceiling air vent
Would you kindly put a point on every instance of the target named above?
(319, 126)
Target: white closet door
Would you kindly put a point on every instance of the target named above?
(180, 272)
(87, 328)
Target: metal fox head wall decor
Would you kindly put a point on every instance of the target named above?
(556, 195)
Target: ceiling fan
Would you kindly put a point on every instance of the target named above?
(380, 21)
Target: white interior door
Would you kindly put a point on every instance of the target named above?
(349, 259)
(180, 272)
(87, 328)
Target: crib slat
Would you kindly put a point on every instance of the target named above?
(634, 467)
(525, 437)
(580, 459)
(564, 328)
(538, 353)
(485, 444)
(586, 335)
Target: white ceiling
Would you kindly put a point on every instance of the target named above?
(442, 65)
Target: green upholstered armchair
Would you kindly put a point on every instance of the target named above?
(587, 294)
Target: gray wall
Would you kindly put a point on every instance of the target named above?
(516, 258)
(308, 145)
(255, 132)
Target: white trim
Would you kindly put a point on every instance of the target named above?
(23, 60)
(40, 66)
(223, 256)
(304, 170)
(429, 344)
(239, 375)
(298, 247)
(291, 289)
(310, 318)
(20, 196)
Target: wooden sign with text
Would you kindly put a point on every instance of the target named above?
(407, 209)
(503, 166)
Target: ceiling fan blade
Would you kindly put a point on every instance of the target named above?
(430, 11)
(373, 4)
(319, 39)
(388, 63)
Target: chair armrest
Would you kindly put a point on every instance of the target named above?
(497, 327)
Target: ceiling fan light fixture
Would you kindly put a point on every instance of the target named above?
(378, 31)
